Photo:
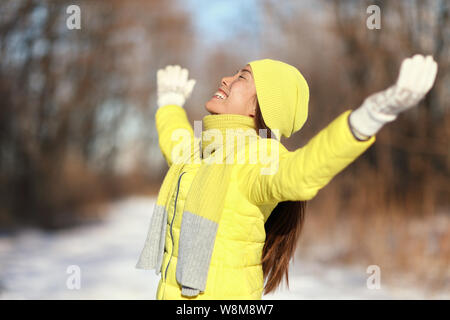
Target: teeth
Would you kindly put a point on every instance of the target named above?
(219, 95)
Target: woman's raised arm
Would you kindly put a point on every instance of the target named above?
(300, 174)
(174, 89)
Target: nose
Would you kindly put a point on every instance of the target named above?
(227, 80)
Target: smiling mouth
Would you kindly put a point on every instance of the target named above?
(219, 97)
(220, 94)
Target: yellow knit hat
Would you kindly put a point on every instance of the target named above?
(283, 95)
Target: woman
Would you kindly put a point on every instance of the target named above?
(223, 227)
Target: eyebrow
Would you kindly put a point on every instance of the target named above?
(244, 70)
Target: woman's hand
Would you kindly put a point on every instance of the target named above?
(416, 77)
(173, 86)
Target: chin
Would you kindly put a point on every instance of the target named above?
(209, 106)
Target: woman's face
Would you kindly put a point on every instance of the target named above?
(238, 95)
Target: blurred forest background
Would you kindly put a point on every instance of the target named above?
(77, 112)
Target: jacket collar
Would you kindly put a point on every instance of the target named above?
(215, 127)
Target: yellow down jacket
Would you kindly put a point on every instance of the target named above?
(235, 270)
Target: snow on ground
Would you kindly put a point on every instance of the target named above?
(34, 264)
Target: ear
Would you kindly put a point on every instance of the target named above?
(252, 111)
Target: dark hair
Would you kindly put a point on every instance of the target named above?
(283, 228)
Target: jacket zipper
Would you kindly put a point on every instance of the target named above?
(171, 223)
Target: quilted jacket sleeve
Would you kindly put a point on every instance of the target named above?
(300, 174)
(169, 119)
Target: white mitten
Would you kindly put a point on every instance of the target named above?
(416, 77)
(173, 86)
